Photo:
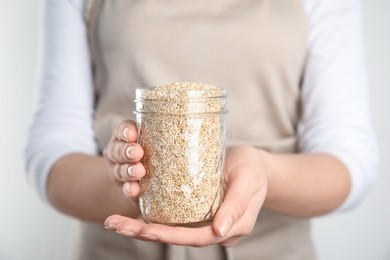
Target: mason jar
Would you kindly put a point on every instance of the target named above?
(182, 130)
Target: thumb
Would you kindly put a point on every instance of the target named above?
(238, 194)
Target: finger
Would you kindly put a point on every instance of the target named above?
(183, 236)
(244, 226)
(131, 190)
(241, 185)
(114, 172)
(126, 131)
(122, 152)
(231, 241)
(121, 224)
(128, 172)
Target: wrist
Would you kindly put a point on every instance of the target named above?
(268, 160)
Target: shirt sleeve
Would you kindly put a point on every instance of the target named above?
(335, 100)
(63, 122)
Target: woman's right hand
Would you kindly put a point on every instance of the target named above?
(122, 157)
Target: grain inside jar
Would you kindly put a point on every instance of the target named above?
(182, 129)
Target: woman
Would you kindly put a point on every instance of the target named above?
(300, 143)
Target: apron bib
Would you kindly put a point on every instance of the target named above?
(255, 49)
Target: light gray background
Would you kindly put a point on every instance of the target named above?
(32, 230)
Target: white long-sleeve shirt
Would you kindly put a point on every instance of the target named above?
(334, 94)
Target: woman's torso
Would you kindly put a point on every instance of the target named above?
(256, 49)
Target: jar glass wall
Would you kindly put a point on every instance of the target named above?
(182, 129)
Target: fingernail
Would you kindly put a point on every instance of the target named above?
(125, 132)
(126, 232)
(149, 236)
(129, 152)
(111, 226)
(126, 187)
(225, 225)
(130, 171)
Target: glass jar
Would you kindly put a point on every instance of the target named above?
(182, 129)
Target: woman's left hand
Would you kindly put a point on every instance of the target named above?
(245, 186)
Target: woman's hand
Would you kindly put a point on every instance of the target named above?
(245, 186)
(122, 157)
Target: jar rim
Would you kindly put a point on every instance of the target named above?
(170, 95)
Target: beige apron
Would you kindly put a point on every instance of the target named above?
(254, 48)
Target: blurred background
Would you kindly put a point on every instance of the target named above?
(32, 230)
